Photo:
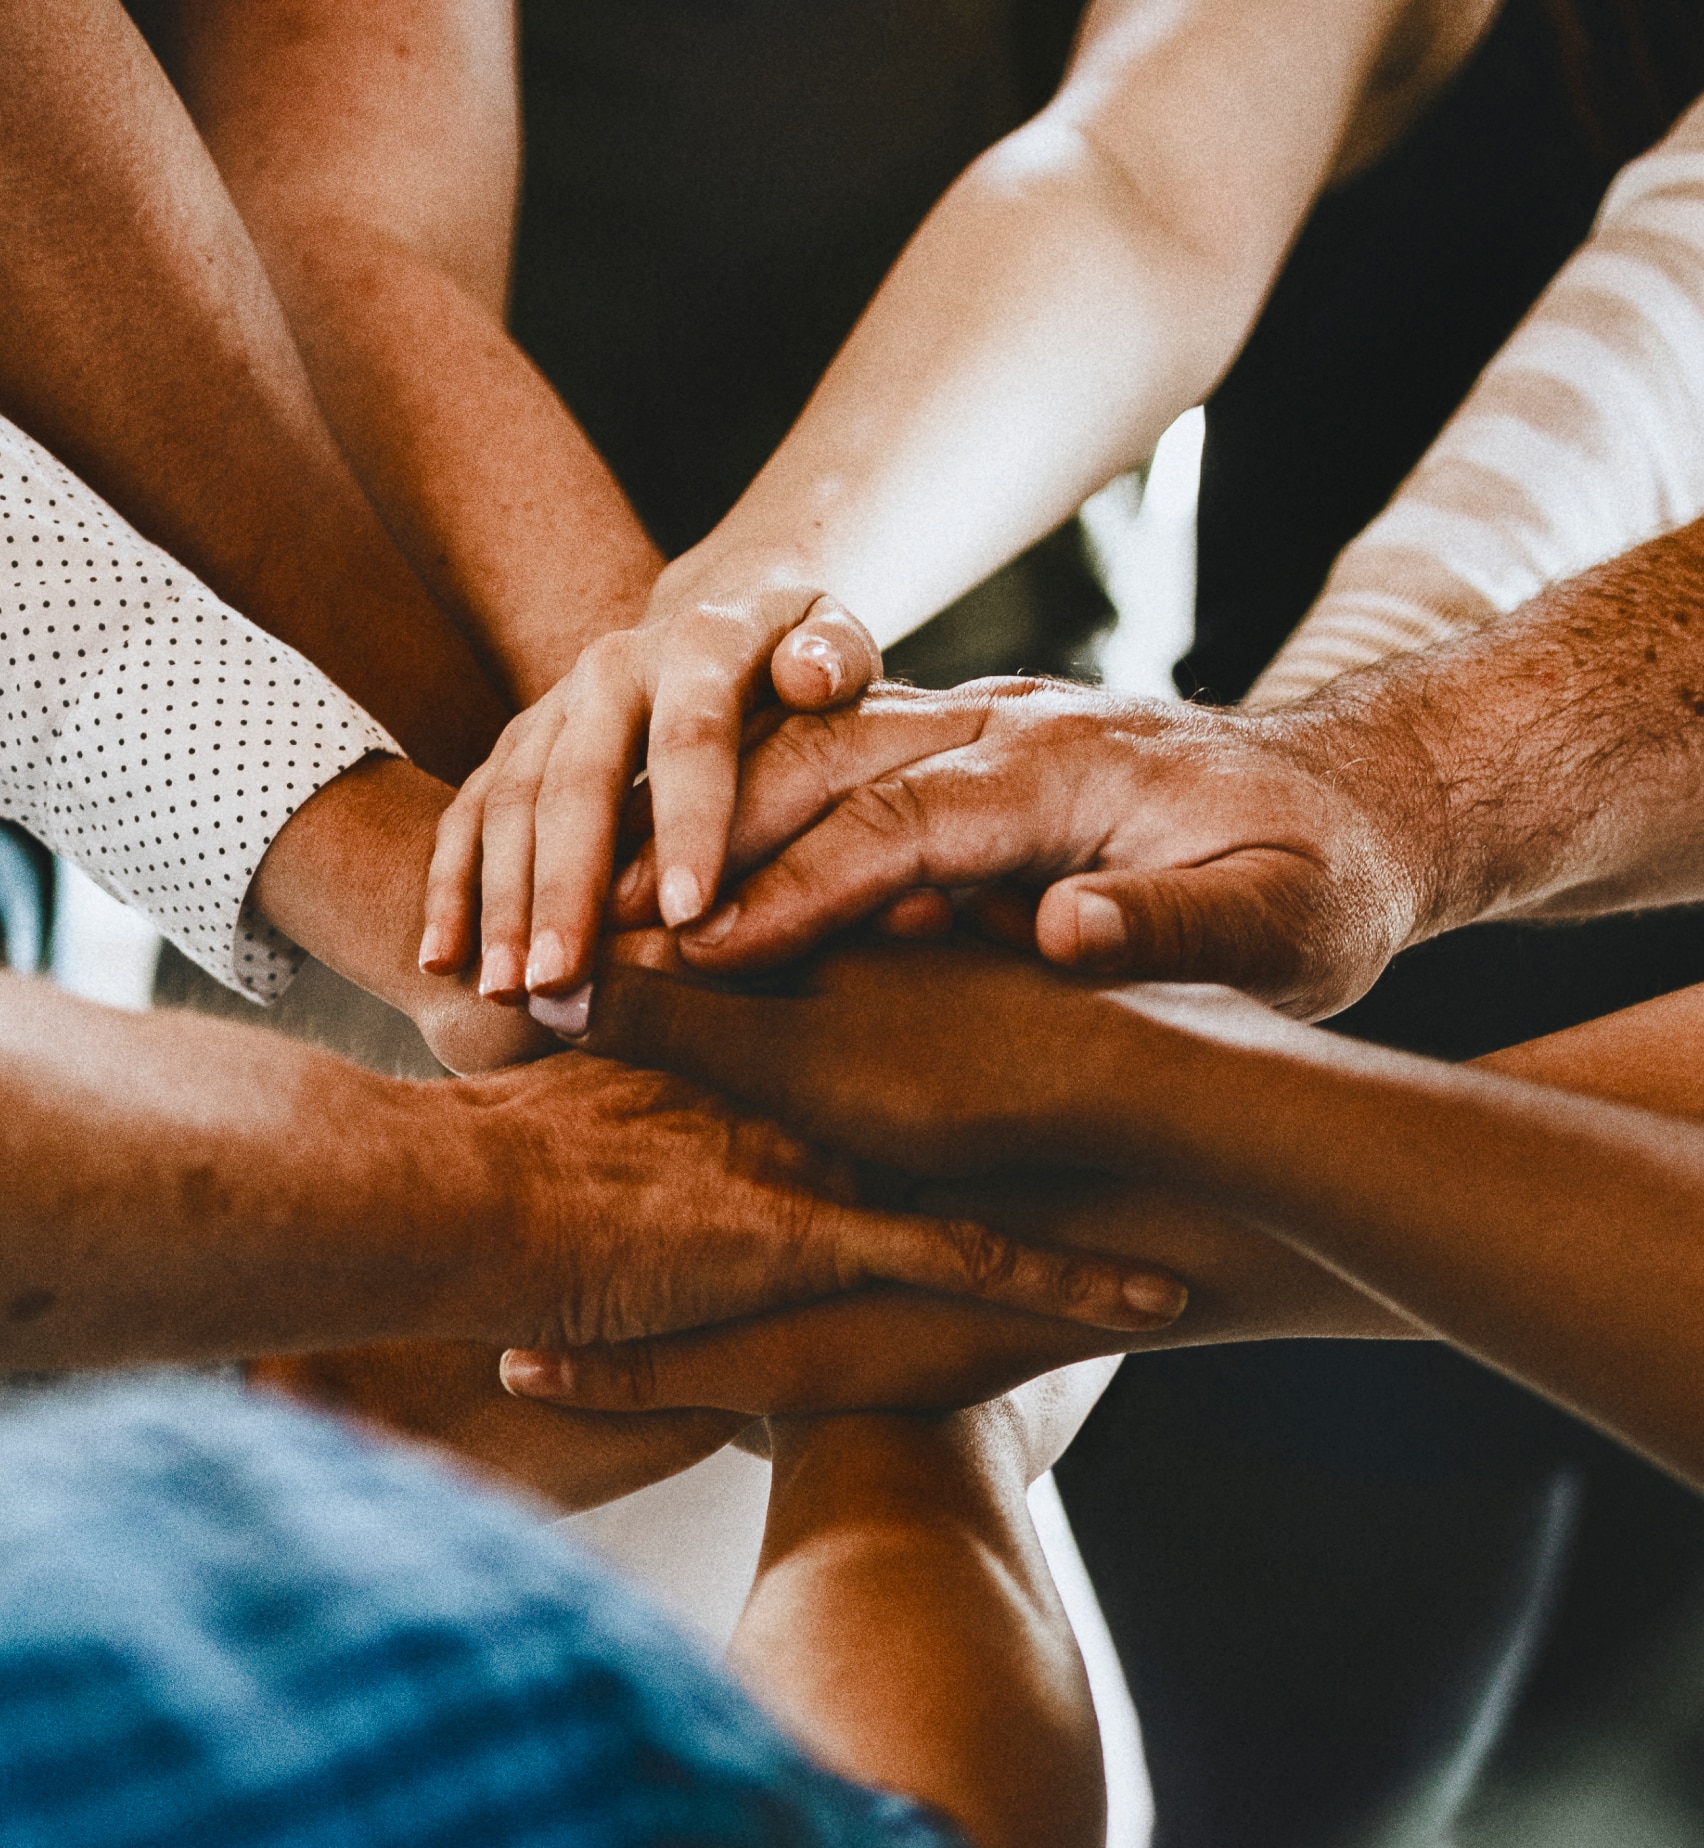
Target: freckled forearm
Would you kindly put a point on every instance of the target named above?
(182, 1190)
(1552, 763)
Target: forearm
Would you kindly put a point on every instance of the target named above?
(179, 1189)
(1084, 282)
(905, 1626)
(381, 191)
(1554, 1236)
(346, 880)
(146, 348)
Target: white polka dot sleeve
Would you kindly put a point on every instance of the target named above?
(148, 733)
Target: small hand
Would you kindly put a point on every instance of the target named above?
(524, 855)
(1157, 842)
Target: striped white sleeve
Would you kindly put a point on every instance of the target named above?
(1583, 438)
(148, 733)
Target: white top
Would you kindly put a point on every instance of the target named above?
(148, 733)
(1583, 438)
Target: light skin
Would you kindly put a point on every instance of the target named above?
(1543, 767)
(1553, 1236)
(1085, 281)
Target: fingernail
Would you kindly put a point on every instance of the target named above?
(535, 1375)
(500, 971)
(1162, 1299)
(716, 927)
(1100, 925)
(680, 898)
(627, 886)
(547, 960)
(435, 948)
(825, 656)
(567, 1014)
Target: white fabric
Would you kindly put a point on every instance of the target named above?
(148, 733)
(1583, 438)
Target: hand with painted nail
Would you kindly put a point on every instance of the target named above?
(1119, 836)
(525, 855)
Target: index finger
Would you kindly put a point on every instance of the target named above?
(836, 1356)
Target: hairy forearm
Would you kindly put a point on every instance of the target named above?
(1555, 1236)
(179, 1189)
(146, 348)
(1547, 765)
(346, 880)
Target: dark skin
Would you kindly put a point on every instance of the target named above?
(1553, 1235)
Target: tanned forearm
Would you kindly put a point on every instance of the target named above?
(374, 153)
(145, 347)
(180, 1189)
(1550, 765)
(1558, 1237)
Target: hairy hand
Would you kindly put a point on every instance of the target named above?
(1122, 836)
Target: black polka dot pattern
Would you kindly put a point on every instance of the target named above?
(150, 734)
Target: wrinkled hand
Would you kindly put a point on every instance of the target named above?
(1153, 841)
(629, 1204)
(525, 854)
(890, 1349)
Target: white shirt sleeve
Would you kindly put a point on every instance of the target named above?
(148, 733)
(1583, 438)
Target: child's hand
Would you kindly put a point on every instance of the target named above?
(525, 854)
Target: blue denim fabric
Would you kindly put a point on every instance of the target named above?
(224, 1621)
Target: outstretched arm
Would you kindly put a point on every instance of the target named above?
(1086, 280)
(374, 154)
(1554, 1236)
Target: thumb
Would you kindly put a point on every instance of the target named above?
(1253, 920)
(828, 660)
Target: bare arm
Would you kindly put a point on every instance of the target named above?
(904, 1622)
(146, 348)
(1085, 281)
(374, 154)
(1555, 1236)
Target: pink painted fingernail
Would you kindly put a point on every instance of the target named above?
(715, 928)
(566, 1014)
(501, 972)
(436, 948)
(824, 656)
(535, 1375)
(547, 960)
(1101, 929)
(680, 898)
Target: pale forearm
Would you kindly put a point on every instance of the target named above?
(1086, 281)
(179, 1189)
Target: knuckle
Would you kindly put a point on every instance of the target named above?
(988, 1261)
